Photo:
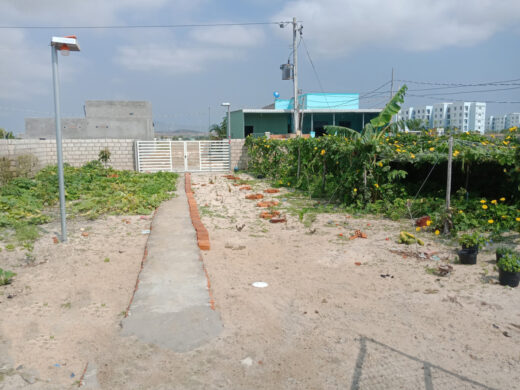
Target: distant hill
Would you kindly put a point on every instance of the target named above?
(180, 133)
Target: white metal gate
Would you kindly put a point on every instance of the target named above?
(182, 156)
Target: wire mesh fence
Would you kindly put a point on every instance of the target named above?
(379, 366)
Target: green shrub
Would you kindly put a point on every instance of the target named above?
(510, 262)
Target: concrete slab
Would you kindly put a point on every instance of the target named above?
(171, 306)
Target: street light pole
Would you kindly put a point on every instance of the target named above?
(59, 151)
(296, 120)
(65, 45)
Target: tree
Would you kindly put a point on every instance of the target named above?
(4, 134)
(219, 131)
(368, 144)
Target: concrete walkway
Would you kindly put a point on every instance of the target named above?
(171, 306)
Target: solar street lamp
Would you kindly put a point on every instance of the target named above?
(64, 45)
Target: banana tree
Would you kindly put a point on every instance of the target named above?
(369, 142)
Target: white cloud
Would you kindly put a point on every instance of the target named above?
(337, 27)
(22, 71)
(170, 58)
(195, 52)
(239, 36)
(87, 12)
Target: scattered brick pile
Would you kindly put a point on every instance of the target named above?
(254, 196)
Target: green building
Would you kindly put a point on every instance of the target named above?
(316, 111)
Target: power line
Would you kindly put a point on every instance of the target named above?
(455, 86)
(113, 27)
(481, 84)
(474, 91)
(481, 101)
(314, 68)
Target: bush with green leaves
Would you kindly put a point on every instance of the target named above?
(383, 171)
(510, 262)
(470, 240)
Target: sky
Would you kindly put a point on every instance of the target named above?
(186, 73)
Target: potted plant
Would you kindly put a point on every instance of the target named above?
(502, 250)
(470, 245)
(509, 269)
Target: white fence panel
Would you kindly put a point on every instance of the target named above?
(183, 156)
(154, 156)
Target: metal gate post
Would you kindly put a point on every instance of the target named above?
(185, 156)
(171, 161)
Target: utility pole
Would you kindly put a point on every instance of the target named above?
(296, 121)
(448, 187)
(209, 117)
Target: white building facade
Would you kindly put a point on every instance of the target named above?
(464, 116)
(512, 120)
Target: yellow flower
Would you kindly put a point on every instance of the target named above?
(494, 201)
(483, 201)
(437, 232)
(505, 142)
(315, 148)
(376, 185)
(461, 212)
(288, 183)
(355, 189)
(322, 152)
(490, 221)
(267, 146)
(380, 164)
(502, 199)
(505, 170)
(417, 229)
(517, 219)
(456, 153)
(484, 206)
(504, 216)
(412, 155)
(514, 128)
(432, 149)
(428, 223)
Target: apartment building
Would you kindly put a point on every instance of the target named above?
(464, 116)
(512, 120)
(499, 123)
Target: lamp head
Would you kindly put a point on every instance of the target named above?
(226, 104)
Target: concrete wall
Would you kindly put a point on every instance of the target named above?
(79, 152)
(75, 152)
(104, 119)
(237, 124)
(239, 156)
(118, 109)
(273, 123)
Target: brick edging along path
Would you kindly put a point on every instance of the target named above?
(202, 232)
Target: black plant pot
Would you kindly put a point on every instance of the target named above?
(508, 278)
(473, 248)
(468, 256)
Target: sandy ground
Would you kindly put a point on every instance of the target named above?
(66, 297)
(323, 322)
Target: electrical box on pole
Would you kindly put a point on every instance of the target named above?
(286, 71)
